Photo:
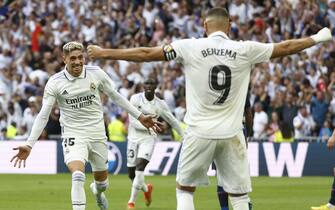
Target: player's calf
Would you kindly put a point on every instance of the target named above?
(184, 199)
(78, 196)
(240, 202)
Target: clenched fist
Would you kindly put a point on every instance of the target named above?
(94, 51)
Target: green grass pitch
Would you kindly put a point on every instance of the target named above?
(52, 192)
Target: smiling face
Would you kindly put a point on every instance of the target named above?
(150, 86)
(74, 62)
(74, 58)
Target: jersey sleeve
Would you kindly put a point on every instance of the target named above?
(178, 50)
(134, 122)
(39, 124)
(166, 114)
(107, 86)
(258, 52)
(50, 93)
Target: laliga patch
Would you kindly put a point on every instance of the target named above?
(92, 87)
(169, 52)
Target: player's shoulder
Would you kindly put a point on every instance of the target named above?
(184, 42)
(95, 72)
(57, 77)
(136, 96)
(251, 44)
(92, 68)
(161, 102)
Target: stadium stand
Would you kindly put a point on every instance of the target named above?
(32, 33)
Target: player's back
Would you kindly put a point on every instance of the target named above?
(217, 72)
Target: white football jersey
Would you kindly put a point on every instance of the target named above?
(79, 101)
(155, 107)
(217, 73)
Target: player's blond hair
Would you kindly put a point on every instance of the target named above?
(72, 46)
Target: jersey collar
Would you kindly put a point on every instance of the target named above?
(71, 78)
(220, 34)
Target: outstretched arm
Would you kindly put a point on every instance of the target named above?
(38, 126)
(140, 54)
(296, 45)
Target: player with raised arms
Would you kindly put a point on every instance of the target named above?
(217, 73)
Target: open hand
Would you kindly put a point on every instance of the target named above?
(21, 156)
(149, 122)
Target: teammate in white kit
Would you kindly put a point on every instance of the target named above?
(77, 90)
(141, 142)
(217, 72)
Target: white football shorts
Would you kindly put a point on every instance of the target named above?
(230, 157)
(93, 151)
(139, 149)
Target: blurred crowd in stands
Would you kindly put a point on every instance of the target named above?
(292, 97)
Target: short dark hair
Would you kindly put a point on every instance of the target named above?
(218, 11)
(151, 80)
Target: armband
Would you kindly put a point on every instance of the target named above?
(169, 52)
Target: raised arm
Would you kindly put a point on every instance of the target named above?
(140, 54)
(296, 45)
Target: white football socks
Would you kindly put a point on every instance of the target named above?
(184, 200)
(331, 206)
(77, 191)
(138, 184)
(240, 202)
(101, 186)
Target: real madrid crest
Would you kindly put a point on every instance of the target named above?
(92, 87)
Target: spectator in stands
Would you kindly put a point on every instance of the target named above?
(53, 128)
(303, 123)
(260, 122)
(117, 130)
(325, 131)
(319, 109)
(29, 115)
(3, 134)
(32, 33)
(289, 111)
(273, 126)
(283, 134)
